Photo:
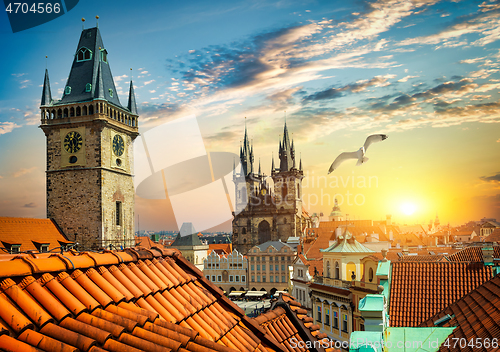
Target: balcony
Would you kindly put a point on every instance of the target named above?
(328, 281)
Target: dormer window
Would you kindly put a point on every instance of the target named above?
(67, 90)
(42, 247)
(83, 54)
(104, 55)
(12, 248)
(88, 87)
(110, 92)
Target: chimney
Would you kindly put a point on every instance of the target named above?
(388, 221)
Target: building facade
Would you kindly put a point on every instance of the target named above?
(229, 272)
(264, 213)
(189, 244)
(90, 135)
(269, 266)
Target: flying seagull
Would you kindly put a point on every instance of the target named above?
(360, 154)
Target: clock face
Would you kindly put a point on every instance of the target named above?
(118, 145)
(73, 142)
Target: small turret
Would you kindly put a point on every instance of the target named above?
(46, 94)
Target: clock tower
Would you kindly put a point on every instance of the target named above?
(90, 135)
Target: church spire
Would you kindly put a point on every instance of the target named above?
(286, 152)
(246, 154)
(132, 106)
(46, 94)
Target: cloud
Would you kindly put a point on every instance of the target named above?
(405, 79)
(485, 23)
(23, 171)
(30, 205)
(359, 86)
(120, 78)
(494, 178)
(6, 127)
(148, 82)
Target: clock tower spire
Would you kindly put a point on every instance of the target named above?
(90, 134)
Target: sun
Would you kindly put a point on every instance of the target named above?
(408, 208)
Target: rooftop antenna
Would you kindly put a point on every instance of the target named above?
(97, 21)
(131, 74)
(46, 60)
(83, 23)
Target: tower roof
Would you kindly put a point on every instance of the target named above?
(46, 94)
(132, 106)
(286, 152)
(90, 73)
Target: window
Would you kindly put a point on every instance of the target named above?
(252, 267)
(337, 270)
(88, 87)
(231, 278)
(213, 278)
(258, 278)
(318, 315)
(277, 278)
(257, 259)
(219, 278)
(263, 278)
(286, 250)
(118, 213)
(110, 92)
(104, 55)
(270, 259)
(253, 278)
(282, 267)
(83, 54)
(327, 316)
(208, 277)
(237, 278)
(282, 259)
(271, 278)
(276, 267)
(361, 327)
(251, 259)
(370, 274)
(270, 267)
(283, 279)
(67, 90)
(263, 267)
(44, 248)
(344, 322)
(258, 267)
(335, 320)
(243, 278)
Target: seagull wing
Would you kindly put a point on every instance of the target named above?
(341, 158)
(373, 139)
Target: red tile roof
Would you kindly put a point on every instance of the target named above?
(220, 248)
(422, 258)
(493, 237)
(472, 254)
(132, 300)
(476, 316)
(418, 290)
(23, 230)
(288, 321)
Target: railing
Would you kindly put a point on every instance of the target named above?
(322, 280)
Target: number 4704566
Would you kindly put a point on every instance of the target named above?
(20, 7)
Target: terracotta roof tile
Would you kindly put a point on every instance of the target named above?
(23, 230)
(289, 325)
(421, 289)
(125, 301)
(476, 316)
(472, 254)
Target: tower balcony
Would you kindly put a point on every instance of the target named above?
(88, 111)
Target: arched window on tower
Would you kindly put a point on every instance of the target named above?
(284, 190)
(337, 270)
(370, 274)
(328, 269)
(83, 54)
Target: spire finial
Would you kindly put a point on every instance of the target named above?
(97, 21)
(131, 74)
(46, 61)
(83, 23)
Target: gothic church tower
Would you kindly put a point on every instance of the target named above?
(90, 190)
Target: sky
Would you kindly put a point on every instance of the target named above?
(424, 72)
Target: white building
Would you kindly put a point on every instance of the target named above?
(228, 271)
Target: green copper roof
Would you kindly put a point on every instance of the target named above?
(346, 243)
(416, 339)
(383, 268)
(365, 341)
(373, 303)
